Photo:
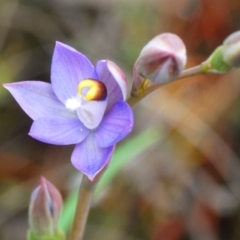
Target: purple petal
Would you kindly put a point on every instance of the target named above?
(89, 158)
(69, 67)
(37, 99)
(117, 123)
(58, 131)
(114, 79)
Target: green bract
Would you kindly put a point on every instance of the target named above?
(216, 63)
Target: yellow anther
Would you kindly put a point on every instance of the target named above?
(91, 89)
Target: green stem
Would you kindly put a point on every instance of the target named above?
(85, 194)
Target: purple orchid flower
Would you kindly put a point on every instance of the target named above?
(83, 106)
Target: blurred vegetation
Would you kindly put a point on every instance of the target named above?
(185, 186)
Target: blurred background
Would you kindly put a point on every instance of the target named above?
(183, 180)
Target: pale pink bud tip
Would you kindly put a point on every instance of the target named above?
(161, 60)
(231, 52)
(45, 208)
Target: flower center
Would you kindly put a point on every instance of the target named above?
(90, 102)
(92, 90)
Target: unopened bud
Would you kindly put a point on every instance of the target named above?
(225, 57)
(161, 60)
(231, 53)
(44, 212)
(215, 63)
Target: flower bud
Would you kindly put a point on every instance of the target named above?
(231, 53)
(225, 57)
(161, 60)
(44, 210)
(216, 63)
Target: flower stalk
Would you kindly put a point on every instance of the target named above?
(191, 72)
(135, 97)
(84, 199)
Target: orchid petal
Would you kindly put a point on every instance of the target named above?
(91, 113)
(89, 158)
(69, 67)
(37, 99)
(114, 79)
(58, 131)
(116, 124)
(119, 76)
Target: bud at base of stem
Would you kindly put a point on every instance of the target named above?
(44, 212)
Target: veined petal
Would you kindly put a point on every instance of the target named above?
(69, 67)
(116, 124)
(91, 113)
(58, 131)
(37, 99)
(89, 158)
(114, 79)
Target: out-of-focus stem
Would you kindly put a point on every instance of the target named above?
(191, 72)
(84, 198)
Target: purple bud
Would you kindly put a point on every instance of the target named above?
(231, 49)
(161, 60)
(45, 208)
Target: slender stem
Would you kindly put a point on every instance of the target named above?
(84, 198)
(191, 72)
(135, 98)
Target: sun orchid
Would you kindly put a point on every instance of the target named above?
(83, 105)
